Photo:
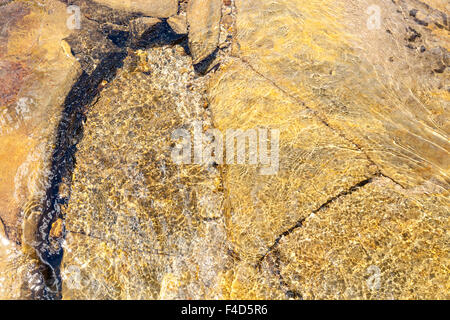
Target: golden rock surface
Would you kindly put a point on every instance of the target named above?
(362, 79)
(347, 115)
(315, 162)
(358, 208)
(380, 242)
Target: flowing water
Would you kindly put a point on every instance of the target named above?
(93, 204)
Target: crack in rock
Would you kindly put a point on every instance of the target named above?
(324, 206)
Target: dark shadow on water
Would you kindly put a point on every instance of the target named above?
(159, 35)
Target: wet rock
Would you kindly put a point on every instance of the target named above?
(36, 78)
(137, 222)
(203, 18)
(398, 137)
(355, 205)
(38, 71)
(349, 251)
(271, 220)
(260, 207)
(103, 31)
(178, 24)
(18, 272)
(152, 8)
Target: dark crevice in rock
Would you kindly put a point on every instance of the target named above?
(101, 45)
(119, 37)
(160, 34)
(4, 228)
(275, 268)
(203, 67)
(69, 133)
(381, 174)
(273, 254)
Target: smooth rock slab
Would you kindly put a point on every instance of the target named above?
(315, 163)
(371, 84)
(316, 76)
(379, 242)
(37, 70)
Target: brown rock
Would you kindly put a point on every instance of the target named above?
(372, 244)
(37, 72)
(178, 24)
(407, 142)
(203, 18)
(155, 229)
(152, 8)
(351, 233)
(261, 207)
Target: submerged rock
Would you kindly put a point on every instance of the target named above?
(356, 210)
(36, 71)
(37, 77)
(152, 8)
(137, 223)
(351, 108)
(338, 64)
(203, 18)
(315, 163)
(379, 242)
